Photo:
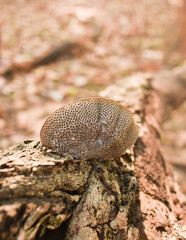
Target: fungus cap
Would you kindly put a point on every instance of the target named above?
(92, 128)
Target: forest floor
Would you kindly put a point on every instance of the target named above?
(108, 41)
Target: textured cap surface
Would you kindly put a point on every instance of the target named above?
(90, 128)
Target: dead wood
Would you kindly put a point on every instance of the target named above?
(170, 86)
(65, 50)
(45, 196)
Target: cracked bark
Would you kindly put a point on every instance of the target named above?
(46, 196)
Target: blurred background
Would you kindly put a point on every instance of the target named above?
(53, 52)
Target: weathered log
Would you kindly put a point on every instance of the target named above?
(170, 85)
(65, 50)
(45, 196)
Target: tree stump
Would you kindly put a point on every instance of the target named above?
(46, 196)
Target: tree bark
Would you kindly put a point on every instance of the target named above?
(46, 196)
